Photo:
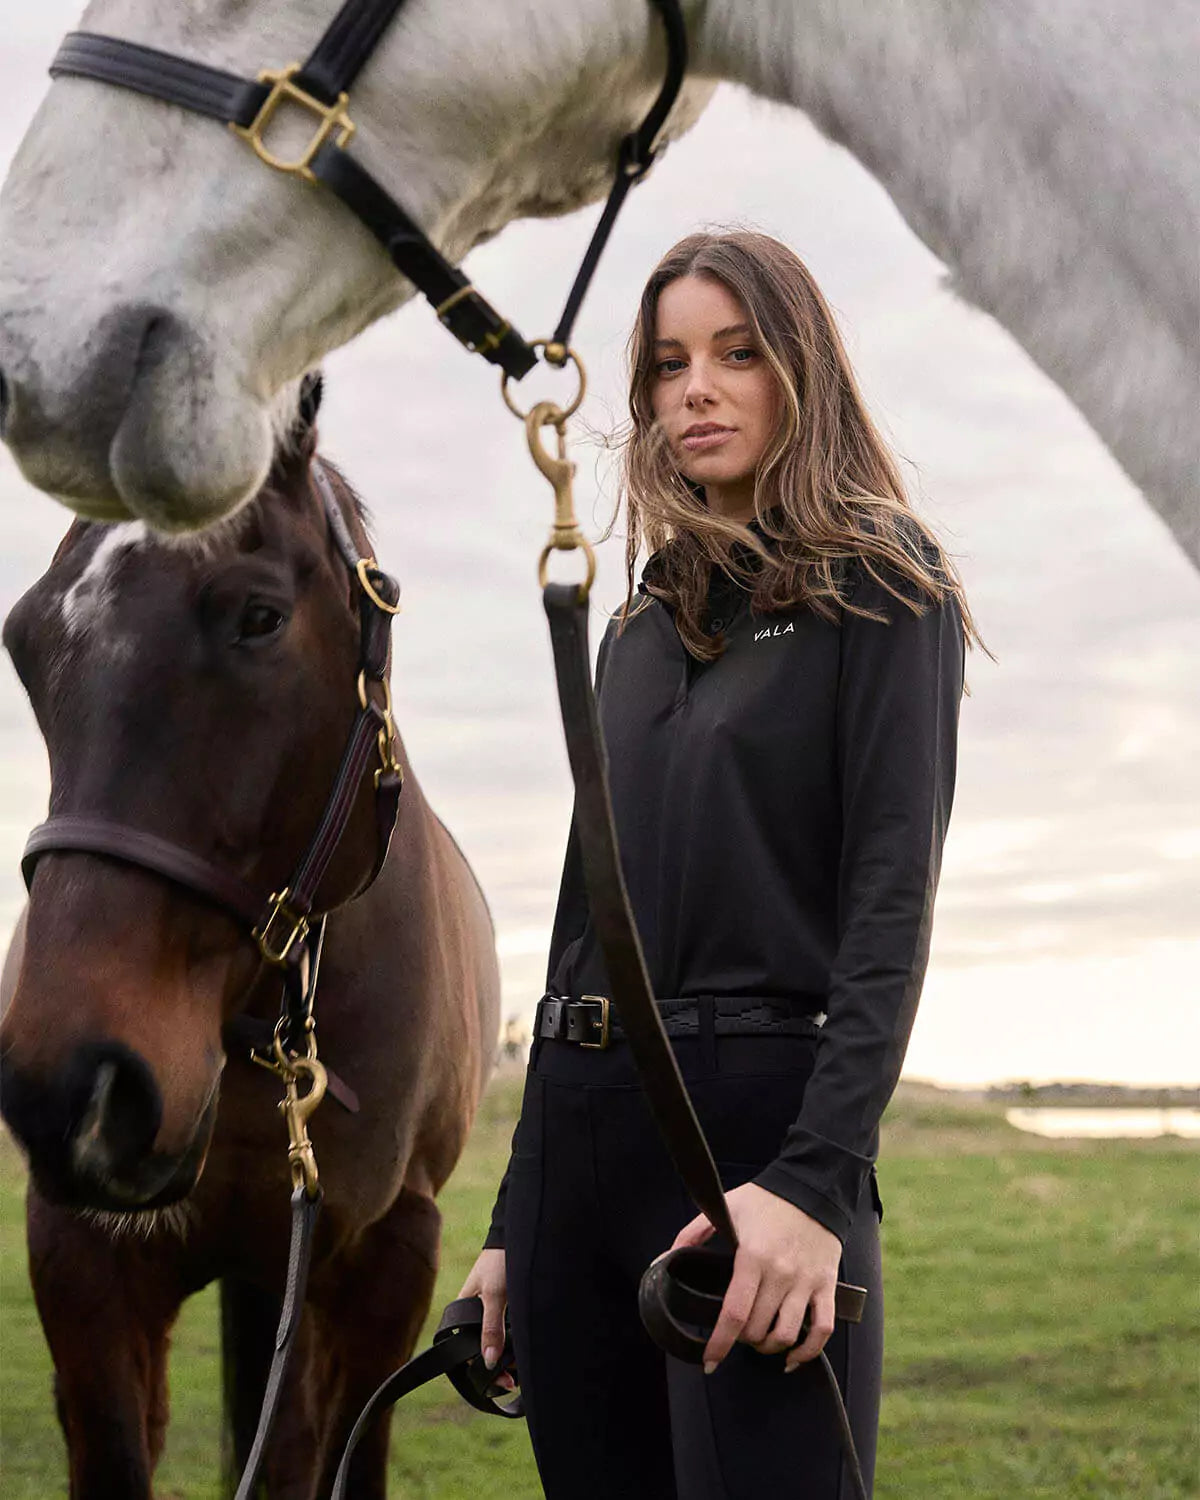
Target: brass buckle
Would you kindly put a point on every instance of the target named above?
(273, 951)
(605, 1005)
(492, 339)
(332, 117)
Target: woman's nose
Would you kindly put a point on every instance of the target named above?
(699, 390)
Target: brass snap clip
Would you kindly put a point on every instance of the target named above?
(297, 1109)
(565, 535)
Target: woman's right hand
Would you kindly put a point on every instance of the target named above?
(488, 1280)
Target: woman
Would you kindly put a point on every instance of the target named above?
(780, 711)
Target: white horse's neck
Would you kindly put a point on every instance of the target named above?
(1043, 154)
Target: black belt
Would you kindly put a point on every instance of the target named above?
(591, 1021)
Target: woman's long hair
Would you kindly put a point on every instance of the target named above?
(827, 493)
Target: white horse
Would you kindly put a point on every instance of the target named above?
(161, 289)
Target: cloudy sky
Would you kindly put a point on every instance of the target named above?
(1067, 941)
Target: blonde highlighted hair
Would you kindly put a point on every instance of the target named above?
(828, 493)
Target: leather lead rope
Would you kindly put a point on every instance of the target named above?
(305, 1210)
(567, 611)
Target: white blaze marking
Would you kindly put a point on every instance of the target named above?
(91, 591)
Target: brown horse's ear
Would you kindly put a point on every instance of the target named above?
(294, 453)
(311, 389)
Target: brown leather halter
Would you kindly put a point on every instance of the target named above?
(282, 922)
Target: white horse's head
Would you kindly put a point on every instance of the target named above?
(161, 290)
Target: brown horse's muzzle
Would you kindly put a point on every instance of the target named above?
(90, 1130)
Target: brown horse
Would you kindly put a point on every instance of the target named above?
(202, 692)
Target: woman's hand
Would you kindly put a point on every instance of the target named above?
(786, 1265)
(488, 1280)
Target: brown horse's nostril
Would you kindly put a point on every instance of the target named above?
(121, 1116)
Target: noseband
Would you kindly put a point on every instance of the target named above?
(281, 922)
(321, 87)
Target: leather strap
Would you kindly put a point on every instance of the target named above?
(304, 1219)
(468, 315)
(634, 159)
(349, 39)
(608, 902)
(160, 75)
(455, 1353)
(680, 1300)
(135, 846)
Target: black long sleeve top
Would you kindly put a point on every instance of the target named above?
(781, 812)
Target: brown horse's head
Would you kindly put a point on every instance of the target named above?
(202, 692)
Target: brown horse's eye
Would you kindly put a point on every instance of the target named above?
(259, 621)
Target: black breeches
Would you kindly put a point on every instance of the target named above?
(592, 1199)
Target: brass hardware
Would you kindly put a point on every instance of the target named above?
(492, 339)
(555, 355)
(565, 535)
(363, 569)
(388, 764)
(296, 1108)
(453, 300)
(605, 1022)
(332, 117)
(274, 950)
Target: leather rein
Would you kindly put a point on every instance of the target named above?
(681, 1293)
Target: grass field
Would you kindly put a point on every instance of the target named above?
(1043, 1313)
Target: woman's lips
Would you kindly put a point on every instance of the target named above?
(713, 437)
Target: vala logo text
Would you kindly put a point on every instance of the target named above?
(788, 629)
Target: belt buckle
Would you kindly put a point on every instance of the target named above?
(605, 1005)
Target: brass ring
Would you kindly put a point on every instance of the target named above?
(571, 359)
(544, 565)
(362, 569)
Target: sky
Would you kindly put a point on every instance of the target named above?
(1067, 939)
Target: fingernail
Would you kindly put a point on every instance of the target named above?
(710, 1366)
(490, 1356)
(791, 1369)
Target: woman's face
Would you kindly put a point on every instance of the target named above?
(712, 392)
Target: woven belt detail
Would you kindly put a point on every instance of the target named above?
(592, 1022)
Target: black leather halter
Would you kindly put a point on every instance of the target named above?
(321, 85)
(280, 922)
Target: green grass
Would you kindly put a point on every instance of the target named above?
(1042, 1328)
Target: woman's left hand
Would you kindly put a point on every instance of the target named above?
(786, 1265)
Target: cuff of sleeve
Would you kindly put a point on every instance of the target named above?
(802, 1195)
(494, 1239)
(820, 1177)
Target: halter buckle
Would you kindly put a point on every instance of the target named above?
(276, 945)
(332, 117)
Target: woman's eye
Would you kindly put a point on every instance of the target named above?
(669, 366)
(742, 356)
(260, 620)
